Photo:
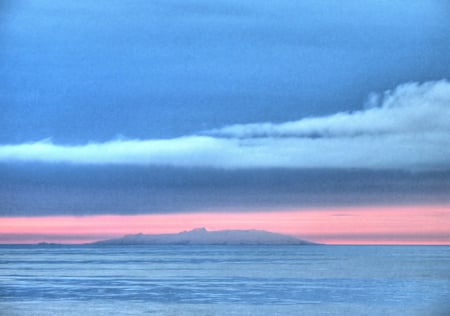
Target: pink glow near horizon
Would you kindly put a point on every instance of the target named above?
(381, 225)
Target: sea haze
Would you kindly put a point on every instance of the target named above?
(231, 280)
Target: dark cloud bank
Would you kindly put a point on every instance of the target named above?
(62, 189)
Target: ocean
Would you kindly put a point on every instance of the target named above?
(224, 280)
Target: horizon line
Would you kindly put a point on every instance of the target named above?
(365, 225)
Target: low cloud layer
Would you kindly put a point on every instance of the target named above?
(407, 128)
(58, 189)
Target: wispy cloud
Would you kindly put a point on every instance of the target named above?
(406, 128)
(411, 108)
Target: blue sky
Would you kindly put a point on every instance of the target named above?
(83, 71)
(180, 106)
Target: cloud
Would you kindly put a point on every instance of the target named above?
(52, 189)
(411, 108)
(407, 128)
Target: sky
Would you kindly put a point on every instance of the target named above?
(327, 120)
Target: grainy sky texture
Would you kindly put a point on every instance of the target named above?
(225, 107)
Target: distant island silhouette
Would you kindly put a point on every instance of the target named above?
(201, 236)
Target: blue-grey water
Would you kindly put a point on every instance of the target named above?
(224, 280)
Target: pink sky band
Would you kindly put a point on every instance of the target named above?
(368, 225)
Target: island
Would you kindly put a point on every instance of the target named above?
(201, 236)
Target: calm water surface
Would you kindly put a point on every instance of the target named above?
(224, 280)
